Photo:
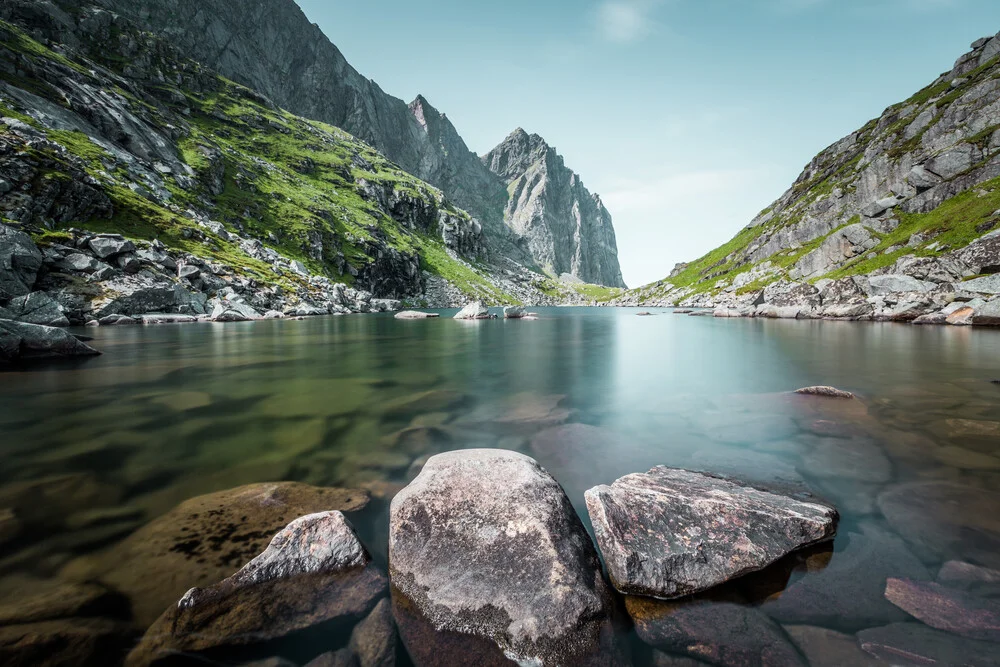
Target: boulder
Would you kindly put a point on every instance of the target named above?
(944, 520)
(916, 645)
(670, 533)
(110, 245)
(414, 315)
(19, 340)
(20, 260)
(485, 543)
(961, 317)
(988, 315)
(233, 311)
(985, 285)
(374, 639)
(78, 262)
(37, 308)
(947, 609)
(792, 294)
(897, 283)
(514, 312)
(718, 632)
(831, 392)
(207, 538)
(314, 571)
(473, 311)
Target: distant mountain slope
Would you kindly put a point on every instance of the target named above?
(901, 196)
(270, 46)
(568, 230)
(107, 129)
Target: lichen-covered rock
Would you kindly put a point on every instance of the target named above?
(485, 543)
(314, 571)
(669, 533)
(206, 539)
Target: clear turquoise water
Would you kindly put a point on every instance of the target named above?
(174, 411)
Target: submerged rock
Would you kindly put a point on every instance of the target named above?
(670, 533)
(916, 645)
(19, 340)
(945, 520)
(718, 632)
(828, 648)
(374, 640)
(485, 543)
(474, 311)
(946, 609)
(205, 539)
(832, 392)
(314, 571)
(65, 642)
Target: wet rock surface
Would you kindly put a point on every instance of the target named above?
(715, 631)
(485, 542)
(206, 539)
(916, 645)
(314, 571)
(946, 609)
(669, 533)
(22, 341)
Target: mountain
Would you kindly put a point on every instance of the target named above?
(270, 46)
(134, 180)
(567, 229)
(898, 220)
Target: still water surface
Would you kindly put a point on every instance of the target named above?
(172, 412)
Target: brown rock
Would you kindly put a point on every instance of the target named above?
(207, 538)
(961, 317)
(717, 632)
(29, 600)
(945, 608)
(373, 640)
(831, 392)
(916, 645)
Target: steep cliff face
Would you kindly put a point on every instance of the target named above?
(914, 193)
(566, 228)
(270, 46)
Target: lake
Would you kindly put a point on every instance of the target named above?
(93, 450)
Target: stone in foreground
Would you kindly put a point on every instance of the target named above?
(474, 311)
(832, 392)
(485, 543)
(669, 533)
(314, 571)
(414, 315)
(19, 340)
(946, 609)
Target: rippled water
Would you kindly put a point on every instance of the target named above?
(93, 450)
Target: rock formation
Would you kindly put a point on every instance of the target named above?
(888, 223)
(566, 228)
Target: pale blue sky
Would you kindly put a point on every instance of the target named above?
(687, 116)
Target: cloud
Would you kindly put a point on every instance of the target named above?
(625, 21)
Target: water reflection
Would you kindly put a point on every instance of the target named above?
(93, 451)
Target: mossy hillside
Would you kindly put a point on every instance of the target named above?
(287, 180)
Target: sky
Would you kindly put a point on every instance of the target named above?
(688, 117)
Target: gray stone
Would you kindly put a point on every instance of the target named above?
(414, 315)
(670, 533)
(831, 392)
(110, 246)
(828, 648)
(20, 260)
(19, 340)
(473, 311)
(953, 162)
(79, 262)
(189, 271)
(894, 283)
(233, 311)
(985, 285)
(373, 640)
(485, 542)
(37, 308)
(514, 312)
(987, 315)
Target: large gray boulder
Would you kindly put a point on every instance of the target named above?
(20, 260)
(37, 308)
(987, 315)
(473, 311)
(233, 311)
(314, 571)
(670, 533)
(19, 340)
(485, 542)
(895, 283)
(110, 245)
